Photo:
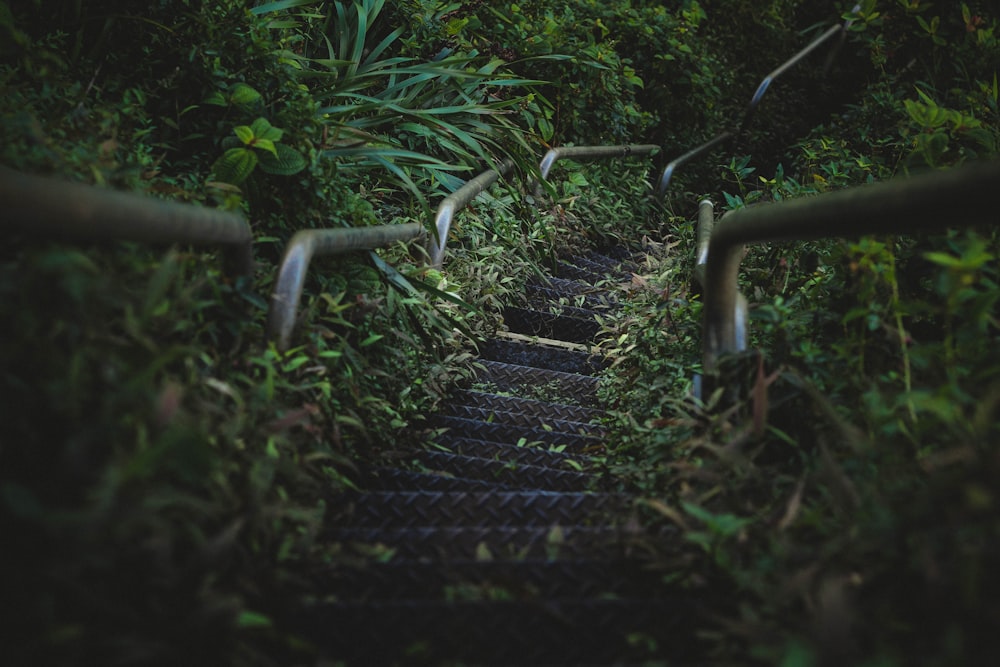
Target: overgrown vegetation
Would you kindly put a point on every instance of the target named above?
(848, 505)
(166, 472)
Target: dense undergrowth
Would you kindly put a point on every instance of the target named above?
(848, 505)
(166, 471)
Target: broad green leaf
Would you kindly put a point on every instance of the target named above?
(265, 145)
(285, 161)
(262, 129)
(235, 165)
(245, 134)
(242, 94)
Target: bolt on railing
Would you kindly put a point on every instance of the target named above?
(934, 201)
(40, 204)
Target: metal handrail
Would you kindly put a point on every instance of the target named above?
(929, 202)
(455, 201)
(40, 204)
(593, 153)
(311, 243)
(307, 244)
(762, 88)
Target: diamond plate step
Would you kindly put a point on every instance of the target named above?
(384, 510)
(395, 479)
(600, 302)
(525, 455)
(587, 274)
(569, 288)
(567, 388)
(513, 434)
(547, 325)
(542, 356)
(505, 632)
(509, 474)
(515, 419)
(541, 409)
(621, 265)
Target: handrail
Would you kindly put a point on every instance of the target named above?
(932, 201)
(42, 204)
(592, 152)
(307, 244)
(762, 88)
(310, 243)
(455, 201)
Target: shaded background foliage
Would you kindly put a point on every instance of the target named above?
(167, 472)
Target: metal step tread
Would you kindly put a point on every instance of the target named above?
(396, 479)
(522, 454)
(570, 286)
(598, 301)
(509, 418)
(559, 327)
(542, 356)
(509, 474)
(388, 509)
(559, 387)
(514, 434)
(525, 406)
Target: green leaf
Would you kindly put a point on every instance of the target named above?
(285, 161)
(243, 95)
(265, 145)
(374, 338)
(262, 129)
(216, 98)
(251, 619)
(279, 5)
(235, 165)
(245, 134)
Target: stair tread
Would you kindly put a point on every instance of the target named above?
(526, 406)
(514, 475)
(512, 434)
(511, 418)
(510, 452)
(486, 508)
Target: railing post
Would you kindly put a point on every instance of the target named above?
(932, 201)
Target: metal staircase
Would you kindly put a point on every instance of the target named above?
(502, 542)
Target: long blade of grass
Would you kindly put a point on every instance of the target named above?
(279, 5)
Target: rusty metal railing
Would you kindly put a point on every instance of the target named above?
(42, 205)
(929, 202)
